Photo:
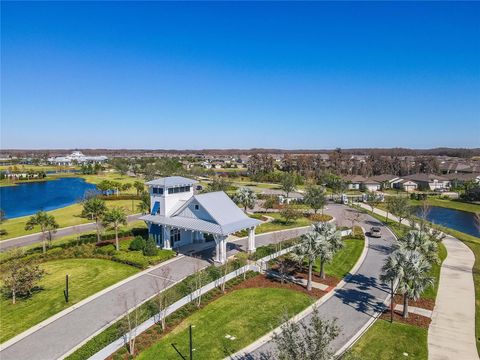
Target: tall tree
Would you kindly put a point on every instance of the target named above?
(307, 251)
(415, 279)
(139, 186)
(288, 183)
(373, 200)
(422, 241)
(94, 209)
(144, 204)
(114, 218)
(46, 222)
(315, 198)
(329, 242)
(245, 197)
(392, 272)
(400, 207)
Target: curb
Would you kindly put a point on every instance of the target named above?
(267, 337)
(92, 297)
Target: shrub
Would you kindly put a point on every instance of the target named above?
(150, 248)
(104, 243)
(106, 250)
(320, 217)
(137, 244)
(133, 258)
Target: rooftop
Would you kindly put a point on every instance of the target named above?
(172, 181)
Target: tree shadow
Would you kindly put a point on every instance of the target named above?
(366, 282)
(360, 300)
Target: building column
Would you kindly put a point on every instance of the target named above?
(166, 238)
(224, 250)
(251, 240)
(217, 249)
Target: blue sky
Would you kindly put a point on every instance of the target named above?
(240, 75)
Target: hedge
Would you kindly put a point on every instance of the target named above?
(149, 309)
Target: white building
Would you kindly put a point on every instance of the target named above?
(179, 217)
(76, 157)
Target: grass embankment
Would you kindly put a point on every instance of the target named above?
(450, 204)
(87, 276)
(66, 216)
(388, 341)
(344, 259)
(228, 315)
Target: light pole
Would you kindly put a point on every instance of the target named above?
(190, 345)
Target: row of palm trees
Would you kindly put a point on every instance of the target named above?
(94, 209)
(407, 269)
(321, 243)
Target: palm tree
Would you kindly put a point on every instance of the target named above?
(46, 223)
(139, 186)
(329, 242)
(144, 204)
(415, 279)
(94, 208)
(114, 218)
(421, 241)
(246, 197)
(307, 251)
(392, 272)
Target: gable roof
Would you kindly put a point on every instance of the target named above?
(228, 217)
(384, 177)
(172, 181)
(424, 177)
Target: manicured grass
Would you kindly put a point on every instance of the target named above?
(388, 341)
(246, 314)
(66, 216)
(279, 224)
(87, 276)
(344, 260)
(431, 293)
(451, 204)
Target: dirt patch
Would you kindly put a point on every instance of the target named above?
(413, 319)
(428, 304)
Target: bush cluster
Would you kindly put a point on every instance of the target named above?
(320, 217)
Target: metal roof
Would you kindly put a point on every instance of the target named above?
(228, 217)
(172, 181)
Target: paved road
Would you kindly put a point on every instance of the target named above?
(360, 299)
(63, 334)
(37, 237)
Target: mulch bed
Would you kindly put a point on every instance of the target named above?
(413, 319)
(428, 304)
(329, 280)
(260, 281)
(154, 334)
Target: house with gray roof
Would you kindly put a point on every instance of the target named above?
(178, 217)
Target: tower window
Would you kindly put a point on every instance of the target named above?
(196, 207)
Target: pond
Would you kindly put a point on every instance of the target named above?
(28, 198)
(454, 219)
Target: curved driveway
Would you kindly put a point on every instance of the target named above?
(362, 297)
(353, 305)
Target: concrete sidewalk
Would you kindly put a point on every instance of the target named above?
(451, 334)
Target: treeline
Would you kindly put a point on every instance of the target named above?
(263, 166)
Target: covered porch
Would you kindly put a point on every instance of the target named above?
(193, 235)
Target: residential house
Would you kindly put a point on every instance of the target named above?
(179, 217)
(405, 185)
(385, 180)
(357, 182)
(429, 181)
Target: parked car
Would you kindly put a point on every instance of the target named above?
(374, 232)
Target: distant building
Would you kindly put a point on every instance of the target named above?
(76, 157)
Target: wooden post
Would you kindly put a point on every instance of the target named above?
(65, 292)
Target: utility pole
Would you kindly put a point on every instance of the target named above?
(190, 345)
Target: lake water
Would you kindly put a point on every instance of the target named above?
(28, 198)
(455, 219)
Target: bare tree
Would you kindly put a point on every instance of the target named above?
(196, 283)
(131, 321)
(163, 296)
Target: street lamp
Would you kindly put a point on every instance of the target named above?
(191, 349)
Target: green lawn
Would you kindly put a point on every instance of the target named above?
(279, 223)
(66, 216)
(229, 315)
(451, 204)
(344, 260)
(388, 341)
(431, 293)
(87, 276)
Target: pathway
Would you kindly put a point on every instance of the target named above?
(451, 334)
(37, 237)
(58, 337)
(356, 304)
